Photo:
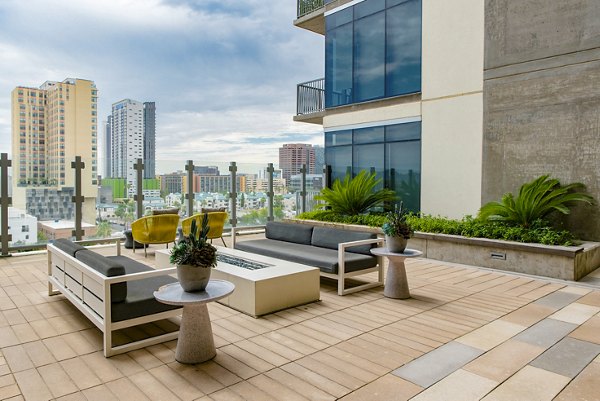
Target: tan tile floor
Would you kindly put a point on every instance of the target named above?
(468, 333)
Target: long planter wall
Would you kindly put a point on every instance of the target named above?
(567, 263)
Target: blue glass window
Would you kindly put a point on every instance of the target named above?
(373, 52)
(392, 151)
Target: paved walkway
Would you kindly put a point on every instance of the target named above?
(467, 334)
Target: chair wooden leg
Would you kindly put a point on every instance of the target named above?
(224, 244)
(145, 253)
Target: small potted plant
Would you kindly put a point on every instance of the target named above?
(195, 257)
(397, 230)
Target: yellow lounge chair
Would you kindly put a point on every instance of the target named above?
(159, 229)
(216, 222)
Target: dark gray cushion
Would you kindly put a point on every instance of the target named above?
(108, 268)
(289, 232)
(67, 246)
(140, 299)
(330, 238)
(323, 258)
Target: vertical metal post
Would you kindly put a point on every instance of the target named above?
(233, 194)
(78, 165)
(270, 193)
(303, 189)
(327, 176)
(139, 197)
(372, 171)
(189, 167)
(349, 170)
(5, 202)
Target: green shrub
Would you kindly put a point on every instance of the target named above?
(539, 232)
(354, 196)
(535, 201)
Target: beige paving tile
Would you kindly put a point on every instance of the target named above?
(575, 290)
(57, 380)
(170, 379)
(528, 314)
(490, 335)
(276, 389)
(250, 392)
(528, 384)
(584, 387)
(298, 385)
(102, 367)
(152, 387)
(59, 348)
(504, 360)
(386, 388)
(99, 393)
(32, 385)
(76, 397)
(17, 358)
(575, 313)
(589, 331)
(124, 389)
(10, 391)
(458, 386)
(593, 298)
(81, 374)
(317, 380)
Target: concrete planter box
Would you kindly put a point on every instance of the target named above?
(562, 262)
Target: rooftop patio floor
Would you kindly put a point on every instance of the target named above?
(466, 334)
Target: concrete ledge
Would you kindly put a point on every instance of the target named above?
(562, 262)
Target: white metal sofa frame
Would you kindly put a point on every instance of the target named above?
(97, 308)
(342, 274)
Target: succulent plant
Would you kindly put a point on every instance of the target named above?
(194, 249)
(395, 224)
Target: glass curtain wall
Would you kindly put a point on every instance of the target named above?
(393, 152)
(373, 51)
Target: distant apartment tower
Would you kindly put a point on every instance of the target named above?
(51, 125)
(107, 147)
(293, 155)
(132, 137)
(149, 139)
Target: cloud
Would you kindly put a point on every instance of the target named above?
(222, 73)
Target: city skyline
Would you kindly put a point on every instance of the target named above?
(223, 74)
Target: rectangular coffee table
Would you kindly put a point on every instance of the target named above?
(262, 284)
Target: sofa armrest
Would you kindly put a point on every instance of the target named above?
(140, 275)
(235, 230)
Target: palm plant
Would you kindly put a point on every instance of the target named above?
(354, 196)
(194, 249)
(535, 201)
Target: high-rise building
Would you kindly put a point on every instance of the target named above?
(127, 140)
(453, 114)
(50, 126)
(107, 146)
(149, 140)
(293, 155)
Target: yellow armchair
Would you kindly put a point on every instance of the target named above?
(159, 229)
(216, 222)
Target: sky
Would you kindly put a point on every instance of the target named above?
(223, 73)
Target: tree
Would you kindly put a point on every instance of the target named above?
(42, 237)
(125, 211)
(104, 229)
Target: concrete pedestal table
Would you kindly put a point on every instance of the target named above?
(195, 343)
(396, 284)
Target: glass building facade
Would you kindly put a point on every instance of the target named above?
(392, 151)
(372, 51)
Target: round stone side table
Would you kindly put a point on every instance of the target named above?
(195, 343)
(396, 284)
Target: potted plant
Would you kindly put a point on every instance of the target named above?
(194, 257)
(397, 230)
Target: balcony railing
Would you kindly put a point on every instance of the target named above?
(311, 97)
(308, 6)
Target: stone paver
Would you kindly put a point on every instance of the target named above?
(568, 357)
(558, 299)
(575, 313)
(545, 333)
(458, 386)
(584, 387)
(529, 384)
(490, 335)
(437, 364)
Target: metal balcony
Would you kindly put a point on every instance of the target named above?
(308, 6)
(311, 101)
(311, 15)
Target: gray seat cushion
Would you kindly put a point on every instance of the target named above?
(140, 299)
(330, 238)
(325, 259)
(289, 232)
(108, 268)
(68, 246)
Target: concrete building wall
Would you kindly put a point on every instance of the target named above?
(542, 99)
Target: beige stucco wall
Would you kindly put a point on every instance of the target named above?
(452, 107)
(373, 115)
